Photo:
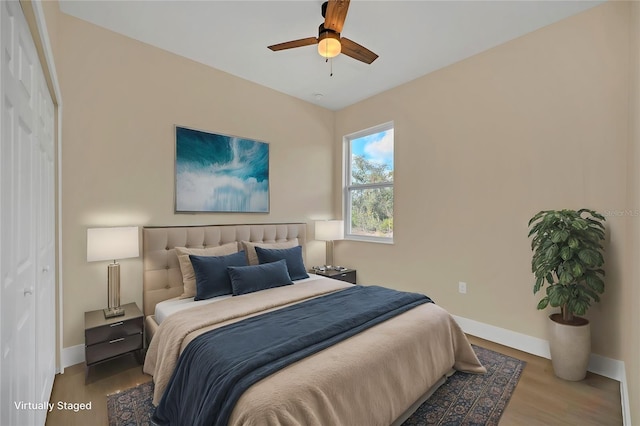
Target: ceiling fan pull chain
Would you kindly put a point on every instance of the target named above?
(331, 65)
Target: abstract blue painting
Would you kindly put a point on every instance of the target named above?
(220, 173)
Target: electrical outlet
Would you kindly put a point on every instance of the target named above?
(462, 287)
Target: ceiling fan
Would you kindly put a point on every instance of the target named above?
(329, 42)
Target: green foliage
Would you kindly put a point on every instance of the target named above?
(567, 258)
(364, 171)
(371, 209)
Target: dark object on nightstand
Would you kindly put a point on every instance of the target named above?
(348, 275)
(108, 338)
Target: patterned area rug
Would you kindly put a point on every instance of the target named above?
(465, 399)
(472, 399)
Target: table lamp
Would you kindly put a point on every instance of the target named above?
(329, 230)
(112, 244)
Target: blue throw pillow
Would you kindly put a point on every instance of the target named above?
(212, 278)
(293, 257)
(247, 279)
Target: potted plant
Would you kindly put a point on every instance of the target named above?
(567, 259)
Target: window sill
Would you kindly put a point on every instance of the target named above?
(363, 239)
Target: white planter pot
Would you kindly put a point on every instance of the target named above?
(570, 347)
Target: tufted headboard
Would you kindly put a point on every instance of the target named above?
(162, 278)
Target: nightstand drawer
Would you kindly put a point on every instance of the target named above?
(113, 347)
(349, 277)
(113, 331)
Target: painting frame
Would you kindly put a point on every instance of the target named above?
(220, 173)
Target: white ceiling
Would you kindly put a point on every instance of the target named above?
(413, 38)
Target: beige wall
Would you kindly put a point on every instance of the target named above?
(122, 99)
(51, 10)
(481, 146)
(631, 353)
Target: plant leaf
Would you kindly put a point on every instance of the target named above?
(566, 277)
(558, 295)
(552, 252)
(595, 283)
(573, 242)
(578, 306)
(536, 217)
(560, 236)
(577, 269)
(543, 303)
(579, 224)
(538, 284)
(566, 253)
(590, 257)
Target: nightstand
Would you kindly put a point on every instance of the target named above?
(109, 338)
(348, 275)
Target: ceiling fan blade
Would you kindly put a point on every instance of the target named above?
(294, 43)
(354, 50)
(336, 14)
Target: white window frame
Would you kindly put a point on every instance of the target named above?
(348, 187)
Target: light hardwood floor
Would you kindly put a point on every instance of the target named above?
(539, 399)
(543, 399)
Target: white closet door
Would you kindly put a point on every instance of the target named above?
(27, 267)
(45, 315)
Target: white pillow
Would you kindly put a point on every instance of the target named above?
(188, 274)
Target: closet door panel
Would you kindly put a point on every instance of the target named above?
(27, 225)
(45, 247)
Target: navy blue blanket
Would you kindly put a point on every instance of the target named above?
(218, 366)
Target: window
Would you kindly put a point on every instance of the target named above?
(368, 194)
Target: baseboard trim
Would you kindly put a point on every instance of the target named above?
(598, 364)
(513, 339)
(624, 397)
(72, 355)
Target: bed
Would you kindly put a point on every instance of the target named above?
(376, 377)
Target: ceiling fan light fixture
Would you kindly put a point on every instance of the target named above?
(329, 44)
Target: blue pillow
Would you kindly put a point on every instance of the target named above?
(293, 257)
(212, 278)
(247, 279)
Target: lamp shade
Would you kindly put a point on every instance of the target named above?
(329, 45)
(329, 230)
(112, 243)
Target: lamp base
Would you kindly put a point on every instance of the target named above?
(113, 312)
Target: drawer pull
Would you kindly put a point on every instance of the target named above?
(116, 324)
(343, 275)
(116, 340)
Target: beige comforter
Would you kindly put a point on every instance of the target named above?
(368, 379)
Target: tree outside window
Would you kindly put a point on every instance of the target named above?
(369, 184)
